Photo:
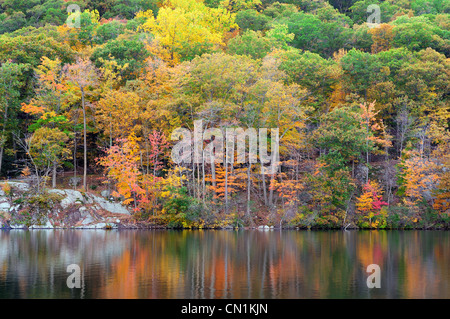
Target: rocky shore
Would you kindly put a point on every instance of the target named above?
(73, 209)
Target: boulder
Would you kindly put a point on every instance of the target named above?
(5, 206)
(106, 193)
(88, 220)
(19, 185)
(47, 225)
(115, 208)
(71, 197)
(18, 226)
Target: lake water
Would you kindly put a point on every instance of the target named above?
(224, 264)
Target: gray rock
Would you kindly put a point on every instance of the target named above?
(88, 220)
(115, 208)
(71, 197)
(5, 206)
(98, 226)
(106, 193)
(17, 226)
(47, 225)
(19, 185)
(83, 212)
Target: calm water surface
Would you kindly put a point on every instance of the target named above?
(224, 264)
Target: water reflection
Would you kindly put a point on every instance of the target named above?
(224, 264)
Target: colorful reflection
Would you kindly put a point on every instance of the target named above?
(224, 264)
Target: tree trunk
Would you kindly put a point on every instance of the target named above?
(367, 154)
(2, 140)
(213, 174)
(1, 158)
(272, 178)
(263, 176)
(75, 160)
(84, 140)
(248, 189)
(226, 187)
(203, 178)
(54, 175)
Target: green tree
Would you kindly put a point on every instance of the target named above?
(10, 86)
(125, 51)
(252, 20)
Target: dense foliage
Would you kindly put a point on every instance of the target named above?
(362, 109)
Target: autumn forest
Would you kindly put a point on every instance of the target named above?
(358, 90)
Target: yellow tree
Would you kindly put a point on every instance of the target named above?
(418, 177)
(382, 37)
(48, 148)
(118, 114)
(186, 28)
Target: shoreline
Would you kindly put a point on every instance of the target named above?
(72, 209)
(121, 227)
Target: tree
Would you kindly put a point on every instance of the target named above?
(129, 8)
(118, 114)
(188, 28)
(369, 205)
(89, 20)
(317, 36)
(417, 178)
(382, 37)
(109, 31)
(10, 85)
(361, 71)
(251, 20)
(49, 103)
(419, 33)
(48, 149)
(312, 72)
(250, 43)
(122, 165)
(388, 9)
(159, 147)
(129, 54)
(373, 127)
(341, 138)
(81, 78)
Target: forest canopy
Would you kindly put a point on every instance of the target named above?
(362, 107)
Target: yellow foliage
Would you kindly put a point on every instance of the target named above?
(190, 23)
